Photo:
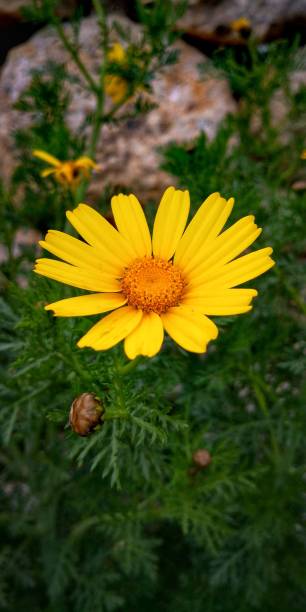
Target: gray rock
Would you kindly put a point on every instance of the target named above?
(127, 152)
(203, 17)
(11, 9)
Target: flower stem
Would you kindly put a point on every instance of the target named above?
(75, 56)
(128, 367)
(292, 291)
(262, 403)
(109, 415)
(99, 8)
(72, 362)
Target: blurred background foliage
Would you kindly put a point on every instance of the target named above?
(126, 518)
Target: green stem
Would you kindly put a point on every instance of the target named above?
(97, 125)
(109, 415)
(99, 8)
(128, 367)
(294, 293)
(73, 363)
(261, 401)
(75, 56)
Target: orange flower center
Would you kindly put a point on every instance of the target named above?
(69, 172)
(152, 284)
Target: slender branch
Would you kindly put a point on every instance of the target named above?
(294, 293)
(74, 364)
(128, 367)
(261, 401)
(96, 130)
(100, 10)
(75, 56)
(108, 117)
(110, 415)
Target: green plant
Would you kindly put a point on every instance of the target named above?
(125, 518)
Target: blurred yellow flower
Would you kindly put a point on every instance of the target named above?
(303, 154)
(115, 86)
(169, 282)
(116, 53)
(67, 173)
(243, 23)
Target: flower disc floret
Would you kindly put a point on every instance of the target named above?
(152, 284)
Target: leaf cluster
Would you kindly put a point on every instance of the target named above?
(84, 519)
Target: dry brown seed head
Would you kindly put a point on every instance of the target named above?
(201, 458)
(85, 414)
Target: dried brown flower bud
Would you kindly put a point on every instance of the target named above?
(201, 458)
(85, 414)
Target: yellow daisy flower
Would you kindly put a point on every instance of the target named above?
(115, 86)
(67, 173)
(169, 282)
(243, 23)
(303, 154)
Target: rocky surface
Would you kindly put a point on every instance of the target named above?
(268, 18)
(10, 10)
(127, 152)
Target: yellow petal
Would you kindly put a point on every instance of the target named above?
(147, 338)
(202, 230)
(132, 224)
(47, 172)
(170, 221)
(98, 232)
(76, 277)
(239, 271)
(116, 53)
(111, 329)
(240, 24)
(74, 251)
(85, 162)
(226, 247)
(219, 301)
(115, 87)
(50, 159)
(189, 328)
(84, 305)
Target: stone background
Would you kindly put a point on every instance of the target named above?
(185, 103)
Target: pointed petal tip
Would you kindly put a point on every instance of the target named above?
(83, 205)
(49, 308)
(78, 207)
(169, 190)
(83, 345)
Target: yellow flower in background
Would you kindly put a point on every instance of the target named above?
(67, 173)
(116, 53)
(303, 154)
(115, 86)
(169, 282)
(243, 23)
